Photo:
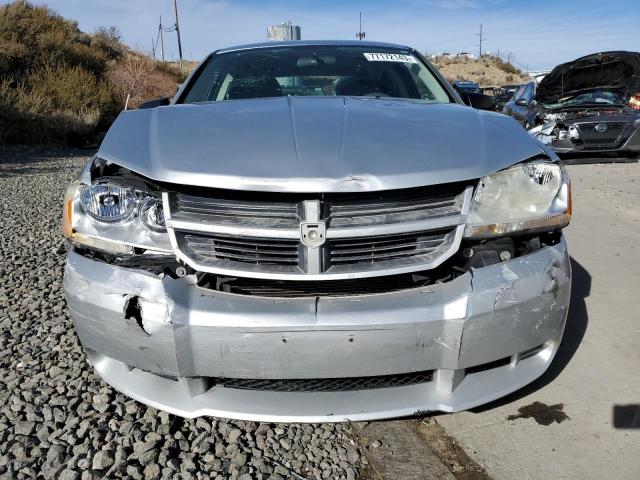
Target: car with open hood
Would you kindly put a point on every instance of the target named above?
(317, 231)
(582, 107)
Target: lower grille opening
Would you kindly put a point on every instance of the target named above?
(322, 288)
(488, 366)
(325, 384)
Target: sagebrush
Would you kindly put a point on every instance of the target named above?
(59, 84)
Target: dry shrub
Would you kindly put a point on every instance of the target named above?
(107, 40)
(70, 88)
(488, 70)
(54, 104)
(141, 79)
(22, 115)
(58, 83)
(45, 38)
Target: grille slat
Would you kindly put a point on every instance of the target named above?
(326, 384)
(257, 258)
(247, 250)
(345, 211)
(383, 242)
(376, 211)
(238, 212)
(240, 250)
(373, 257)
(390, 249)
(379, 249)
(269, 243)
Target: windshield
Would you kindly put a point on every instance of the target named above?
(315, 71)
(597, 97)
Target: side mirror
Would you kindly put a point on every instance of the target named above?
(478, 100)
(522, 102)
(156, 102)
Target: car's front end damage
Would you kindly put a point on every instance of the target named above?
(287, 260)
(582, 107)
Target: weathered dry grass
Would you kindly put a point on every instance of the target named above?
(486, 71)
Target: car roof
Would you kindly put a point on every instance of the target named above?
(302, 43)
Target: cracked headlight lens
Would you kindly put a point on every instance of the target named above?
(528, 196)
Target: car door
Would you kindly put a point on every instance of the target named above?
(510, 106)
(521, 103)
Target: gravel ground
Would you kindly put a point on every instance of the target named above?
(60, 420)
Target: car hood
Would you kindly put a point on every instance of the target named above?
(616, 71)
(308, 144)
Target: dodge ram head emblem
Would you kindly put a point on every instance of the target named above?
(312, 234)
(601, 127)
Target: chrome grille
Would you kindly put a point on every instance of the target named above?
(613, 137)
(376, 249)
(258, 251)
(236, 212)
(366, 235)
(379, 211)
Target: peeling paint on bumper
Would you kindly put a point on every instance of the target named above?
(180, 330)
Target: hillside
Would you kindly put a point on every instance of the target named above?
(59, 84)
(486, 71)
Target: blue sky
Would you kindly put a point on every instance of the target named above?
(540, 34)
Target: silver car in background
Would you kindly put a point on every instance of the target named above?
(318, 231)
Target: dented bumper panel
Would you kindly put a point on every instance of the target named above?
(156, 339)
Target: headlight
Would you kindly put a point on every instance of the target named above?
(528, 196)
(107, 203)
(114, 218)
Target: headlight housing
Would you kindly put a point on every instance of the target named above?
(530, 196)
(111, 216)
(108, 203)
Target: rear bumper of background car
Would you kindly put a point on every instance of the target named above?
(168, 343)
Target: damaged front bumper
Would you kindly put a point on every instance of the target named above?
(165, 341)
(566, 140)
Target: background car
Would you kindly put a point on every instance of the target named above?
(518, 106)
(583, 106)
(466, 86)
(503, 94)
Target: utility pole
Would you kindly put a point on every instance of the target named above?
(175, 8)
(480, 42)
(161, 40)
(360, 35)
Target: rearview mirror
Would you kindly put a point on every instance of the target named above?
(478, 100)
(156, 102)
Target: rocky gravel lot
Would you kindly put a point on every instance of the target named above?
(60, 420)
